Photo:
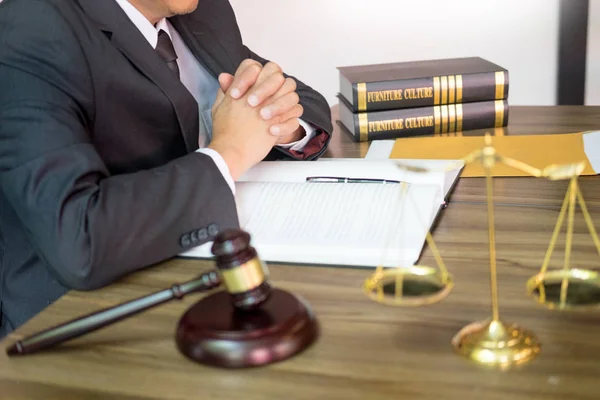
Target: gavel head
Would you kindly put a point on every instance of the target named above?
(244, 275)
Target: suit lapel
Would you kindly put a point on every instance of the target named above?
(124, 35)
(204, 45)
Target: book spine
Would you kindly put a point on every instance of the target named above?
(448, 118)
(432, 91)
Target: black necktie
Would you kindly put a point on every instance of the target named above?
(166, 51)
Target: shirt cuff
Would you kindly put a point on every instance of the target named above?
(221, 164)
(299, 144)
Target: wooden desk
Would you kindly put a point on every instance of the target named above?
(366, 350)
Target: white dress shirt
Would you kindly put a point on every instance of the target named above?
(189, 69)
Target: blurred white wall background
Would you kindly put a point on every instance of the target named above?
(310, 38)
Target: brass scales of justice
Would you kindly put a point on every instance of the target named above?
(494, 342)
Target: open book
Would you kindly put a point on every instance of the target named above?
(345, 224)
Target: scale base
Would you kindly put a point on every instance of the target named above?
(496, 344)
(215, 333)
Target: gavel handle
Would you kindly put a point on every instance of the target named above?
(92, 322)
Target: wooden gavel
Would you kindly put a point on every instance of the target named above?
(250, 314)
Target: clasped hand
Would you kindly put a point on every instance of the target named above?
(255, 109)
(268, 88)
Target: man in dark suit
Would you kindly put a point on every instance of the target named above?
(123, 126)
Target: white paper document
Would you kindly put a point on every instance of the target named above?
(353, 224)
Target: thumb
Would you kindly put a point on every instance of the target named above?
(225, 81)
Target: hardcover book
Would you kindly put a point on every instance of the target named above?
(390, 86)
(447, 118)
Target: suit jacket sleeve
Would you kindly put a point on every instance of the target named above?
(88, 226)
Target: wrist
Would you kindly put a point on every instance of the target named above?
(297, 135)
(232, 158)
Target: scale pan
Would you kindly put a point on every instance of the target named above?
(411, 286)
(582, 289)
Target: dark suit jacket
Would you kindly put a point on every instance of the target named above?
(98, 175)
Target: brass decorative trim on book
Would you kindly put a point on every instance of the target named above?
(444, 90)
(499, 113)
(444, 119)
(448, 118)
(459, 88)
(362, 96)
(436, 90)
(451, 89)
(437, 118)
(364, 127)
(451, 118)
(499, 85)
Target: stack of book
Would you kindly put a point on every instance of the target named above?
(388, 101)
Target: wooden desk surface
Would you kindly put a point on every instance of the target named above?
(366, 350)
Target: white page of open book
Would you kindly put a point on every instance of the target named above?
(337, 223)
(293, 221)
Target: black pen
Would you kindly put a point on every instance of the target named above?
(335, 179)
